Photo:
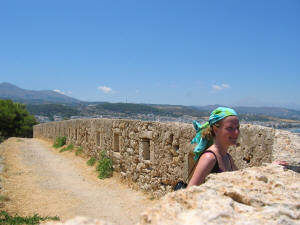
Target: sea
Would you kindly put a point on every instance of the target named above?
(295, 130)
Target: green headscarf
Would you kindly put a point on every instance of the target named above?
(215, 116)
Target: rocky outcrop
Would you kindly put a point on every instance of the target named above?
(260, 195)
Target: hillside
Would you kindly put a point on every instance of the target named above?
(51, 110)
(10, 91)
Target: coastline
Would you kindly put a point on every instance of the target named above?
(292, 130)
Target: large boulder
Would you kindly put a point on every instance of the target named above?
(259, 195)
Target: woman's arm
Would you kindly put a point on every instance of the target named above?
(205, 164)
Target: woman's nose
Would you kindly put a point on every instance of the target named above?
(236, 131)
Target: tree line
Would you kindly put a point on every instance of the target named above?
(15, 121)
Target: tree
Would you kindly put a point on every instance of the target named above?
(15, 121)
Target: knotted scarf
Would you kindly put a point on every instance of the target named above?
(215, 116)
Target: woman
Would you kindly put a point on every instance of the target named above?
(214, 138)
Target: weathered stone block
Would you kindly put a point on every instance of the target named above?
(146, 134)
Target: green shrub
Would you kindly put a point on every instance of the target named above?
(68, 148)
(6, 219)
(60, 141)
(104, 166)
(79, 151)
(91, 161)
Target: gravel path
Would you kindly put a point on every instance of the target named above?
(39, 179)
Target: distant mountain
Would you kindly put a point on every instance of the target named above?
(10, 91)
(51, 104)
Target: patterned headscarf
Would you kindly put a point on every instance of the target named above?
(215, 116)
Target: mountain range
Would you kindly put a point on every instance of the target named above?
(46, 101)
(10, 91)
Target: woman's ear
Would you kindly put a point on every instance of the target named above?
(215, 129)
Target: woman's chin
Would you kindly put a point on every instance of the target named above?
(233, 141)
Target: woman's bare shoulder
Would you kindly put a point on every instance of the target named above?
(208, 156)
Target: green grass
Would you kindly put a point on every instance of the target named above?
(79, 151)
(91, 161)
(6, 219)
(104, 166)
(60, 141)
(68, 148)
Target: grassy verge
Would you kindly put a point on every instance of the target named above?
(79, 151)
(6, 219)
(91, 161)
(60, 141)
(68, 148)
(104, 166)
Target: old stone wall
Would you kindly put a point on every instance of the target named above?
(153, 155)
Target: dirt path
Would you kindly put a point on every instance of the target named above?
(39, 179)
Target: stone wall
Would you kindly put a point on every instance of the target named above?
(153, 155)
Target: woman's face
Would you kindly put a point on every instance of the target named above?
(228, 131)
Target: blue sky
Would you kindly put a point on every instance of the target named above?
(228, 52)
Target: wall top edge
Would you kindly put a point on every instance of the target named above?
(145, 122)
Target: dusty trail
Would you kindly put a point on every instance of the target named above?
(39, 179)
